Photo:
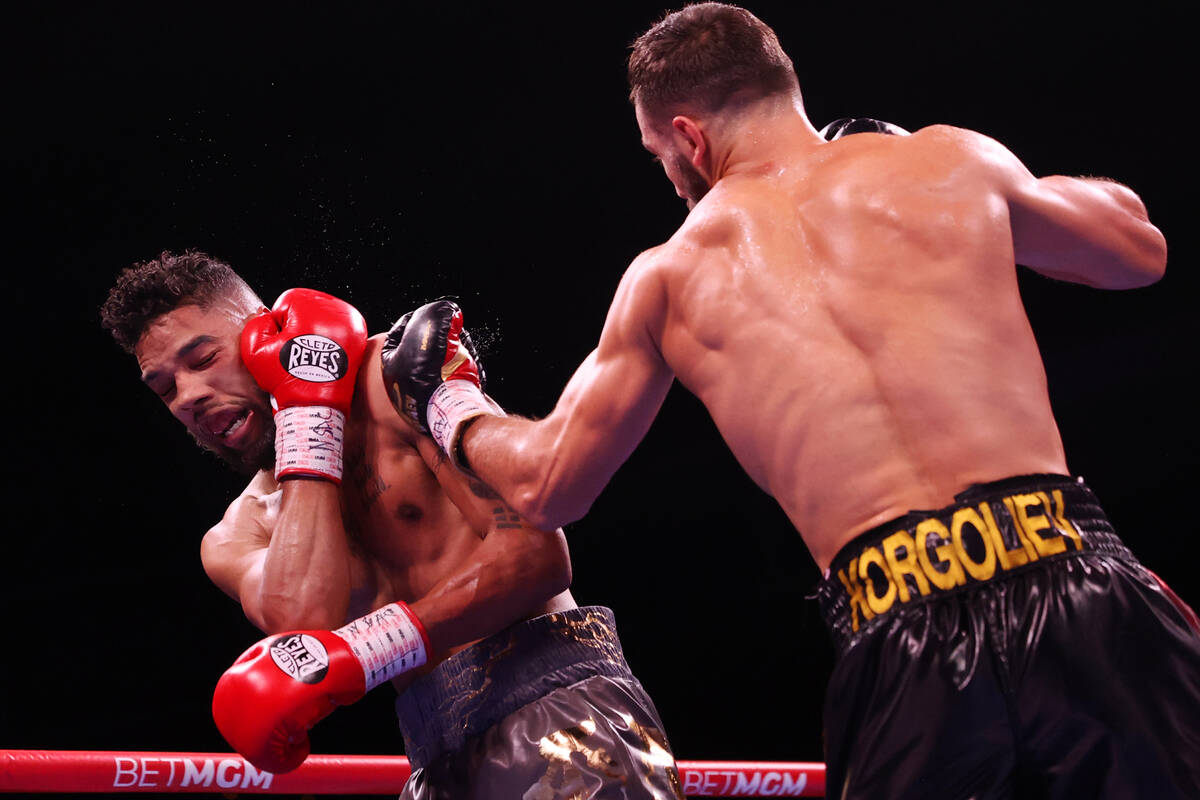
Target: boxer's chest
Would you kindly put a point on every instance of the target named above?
(395, 511)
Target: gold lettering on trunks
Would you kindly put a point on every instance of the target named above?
(1033, 524)
(906, 566)
(879, 603)
(1028, 545)
(858, 600)
(980, 570)
(952, 575)
(1060, 518)
(1008, 558)
(938, 559)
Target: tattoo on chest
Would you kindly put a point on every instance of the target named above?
(367, 483)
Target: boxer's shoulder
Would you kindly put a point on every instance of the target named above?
(944, 144)
(642, 293)
(714, 233)
(953, 146)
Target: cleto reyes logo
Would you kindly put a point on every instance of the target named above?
(313, 358)
(300, 656)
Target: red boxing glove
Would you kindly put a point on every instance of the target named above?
(266, 702)
(306, 352)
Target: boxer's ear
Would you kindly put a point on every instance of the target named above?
(691, 140)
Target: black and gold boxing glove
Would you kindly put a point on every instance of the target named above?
(432, 372)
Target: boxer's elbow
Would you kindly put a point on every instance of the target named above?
(1136, 248)
(549, 477)
(1151, 262)
(549, 564)
(550, 502)
(540, 511)
(1140, 261)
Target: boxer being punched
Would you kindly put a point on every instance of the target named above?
(353, 520)
(848, 312)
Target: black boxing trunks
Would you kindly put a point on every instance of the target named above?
(546, 709)
(1008, 646)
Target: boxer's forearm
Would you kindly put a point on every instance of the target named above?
(553, 469)
(1087, 230)
(514, 571)
(528, 464)
(306, 573)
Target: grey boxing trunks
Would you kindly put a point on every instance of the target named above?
(543, 710)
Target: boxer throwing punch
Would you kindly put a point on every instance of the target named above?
(353, 521)
(848, 313)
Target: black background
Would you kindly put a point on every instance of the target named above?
(391, 155)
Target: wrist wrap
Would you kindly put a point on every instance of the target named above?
(453, 403)
(308, 441)
(387, 642)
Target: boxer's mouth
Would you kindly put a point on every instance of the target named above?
(225, 424)
(236, 425)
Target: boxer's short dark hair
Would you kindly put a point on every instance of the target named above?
(150, 289)
(705, 54)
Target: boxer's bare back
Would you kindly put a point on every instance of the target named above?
(848, 312)
(883, 361)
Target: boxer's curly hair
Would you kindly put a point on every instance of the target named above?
(150, 289)
(704, 54)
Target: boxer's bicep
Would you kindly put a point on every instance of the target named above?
(614, 396)
(611, 402)
(551, 470)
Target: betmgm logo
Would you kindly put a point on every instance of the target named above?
(313, 358)
(301, 657)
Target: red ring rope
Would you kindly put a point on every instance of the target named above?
(115, 771)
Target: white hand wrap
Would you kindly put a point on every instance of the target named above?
(453, 403)
(308, 440)
(387, 642)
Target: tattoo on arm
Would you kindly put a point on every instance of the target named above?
(505, 518)
(502, 515)
(482, 490)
